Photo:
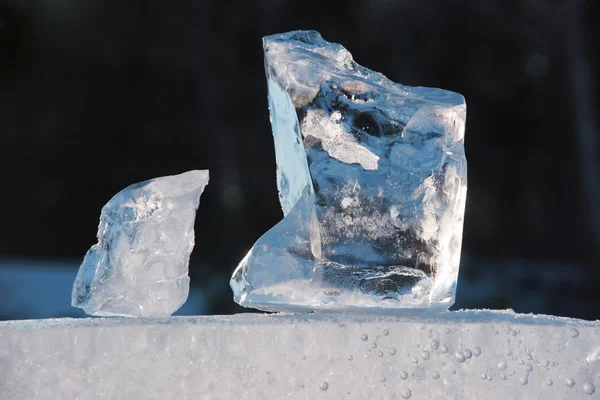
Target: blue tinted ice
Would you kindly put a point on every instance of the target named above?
(372, 180)
(139, 267)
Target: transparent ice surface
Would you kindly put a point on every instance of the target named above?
(372, 180)
(139, 267)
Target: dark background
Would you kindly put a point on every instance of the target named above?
(96, 95)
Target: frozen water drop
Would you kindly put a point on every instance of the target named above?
(521, 362)
(502, 365)
(382, 378)
(435, 344)
(574, 333)
(444, 349)
(529, 367)
(416, 361)
(448, 330)
(406, 393)
(350, 358)
(550, 382)
(364, 337)
(503, 376)
(304, 357)
(374, 345)
(386, 332)
(524, 380)
(404, 375)
(380, 353)
(476, 351)
(435, 375)
(483, 376)
(392, 351)
(324, 386)
(570, 382)
(514, 333)
(425, 355)
(589, 388)
(460, 357)
(467, 353)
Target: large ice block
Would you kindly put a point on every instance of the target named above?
(139, 267)
(372, 180)
(480, 355)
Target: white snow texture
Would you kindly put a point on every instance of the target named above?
(453, 355)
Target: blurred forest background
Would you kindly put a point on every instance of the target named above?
(96, 95)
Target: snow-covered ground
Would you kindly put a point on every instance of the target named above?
(453, 355)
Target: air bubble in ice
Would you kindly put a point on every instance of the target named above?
(589, 388)
(574, 333)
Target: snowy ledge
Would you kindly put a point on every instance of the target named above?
(453, 355)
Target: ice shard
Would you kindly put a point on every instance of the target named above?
(139, 267)
(372, 180)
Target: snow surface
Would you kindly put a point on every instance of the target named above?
(452, 355)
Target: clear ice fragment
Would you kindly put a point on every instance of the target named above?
(372, 180)
(139, 267)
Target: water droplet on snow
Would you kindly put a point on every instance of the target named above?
(416, 361)
(476, 351)
(392, 351)
(521, 362)
(406, 393)
(435, 375)
(503, 376)
(364, 337)
(302, 385)
(435, 344)
(380, 353)
(550, 382)
(448, 330)
(589, 388)
(529, 367)
(386, 332)
(514, 333)
(382, 378)
(304, 357)
(324, 386)
(350, 358)
(444, 349)
(570, 382)
(502, 365)
(404, 375)
(425, 355)
(483, 376)
(467, 353)
(574, 333)
(460, 357)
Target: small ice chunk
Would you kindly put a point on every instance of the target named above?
(139, 267)
(372, 180)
